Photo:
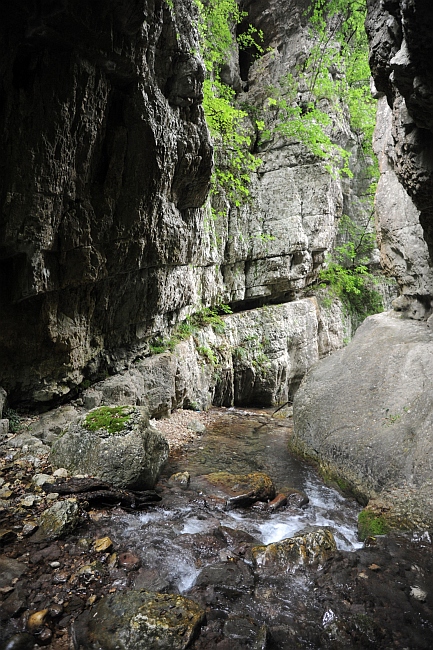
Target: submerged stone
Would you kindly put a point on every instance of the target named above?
(308, 546)
(114, 444)
(139, 619)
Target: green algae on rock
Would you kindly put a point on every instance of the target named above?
(140, 619)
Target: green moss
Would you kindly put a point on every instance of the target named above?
(110, 418)
(370, 524)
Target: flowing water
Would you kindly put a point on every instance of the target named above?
(187, 542)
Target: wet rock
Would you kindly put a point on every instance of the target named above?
(241, 489)
(296, 498)
(102, 544)
(37, 619)
(139, 619)
(181, 478)
(151, 580)
(21, 641)
(311, 545)
(229, 578)
(116, 445)
(245, 629)
(364, 414)
(58, 520)
(129, 561)
(9, 570)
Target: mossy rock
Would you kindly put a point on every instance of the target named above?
(257, 484)
(115, 444)
(371, 524)
(133, 620)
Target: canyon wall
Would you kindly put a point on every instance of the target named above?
(376, 439)
(107, 236)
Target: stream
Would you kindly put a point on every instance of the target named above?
(191, 543)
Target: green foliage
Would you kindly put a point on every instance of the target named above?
(110, 418)
(14, 420)
(335, 76)
(208, 354)
(226, 122)
(346, 273)
(206, 316)
(370, 524)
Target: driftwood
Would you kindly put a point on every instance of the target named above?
(96, 492)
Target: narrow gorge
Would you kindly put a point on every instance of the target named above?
(216, 324)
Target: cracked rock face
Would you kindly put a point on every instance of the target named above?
(401, 50)
(105, 160)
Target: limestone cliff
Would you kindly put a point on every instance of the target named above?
(106, 239)
(377, 437)
(105, 160)
(401, 51)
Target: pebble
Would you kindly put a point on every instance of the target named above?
(37, 619)
(61, 473)
(30, 500)
(103, 544)
(29, 528)
(52, 496)
(54, 565)
(129, 561)
(40, 479)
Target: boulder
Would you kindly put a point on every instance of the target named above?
(240, 489)
(365, 415)
(139, 619)
(114, 444)
(308, 546)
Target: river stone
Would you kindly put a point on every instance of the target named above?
(139, 619)
(9, 570)
(129, 458)
(308, 546)
(365, 414)
(230, 578)
(58, 520)
(256, 486)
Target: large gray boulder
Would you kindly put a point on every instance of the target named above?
(365, 415)
(115, 444)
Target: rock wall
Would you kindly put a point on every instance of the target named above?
(404, 252)
(106, 160)
(106, 163)
(401, 50)
(377, 437)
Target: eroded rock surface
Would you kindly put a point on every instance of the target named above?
(129, 457)
(136, 619)
(365, 415)
(105, 161)
(401, 51)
